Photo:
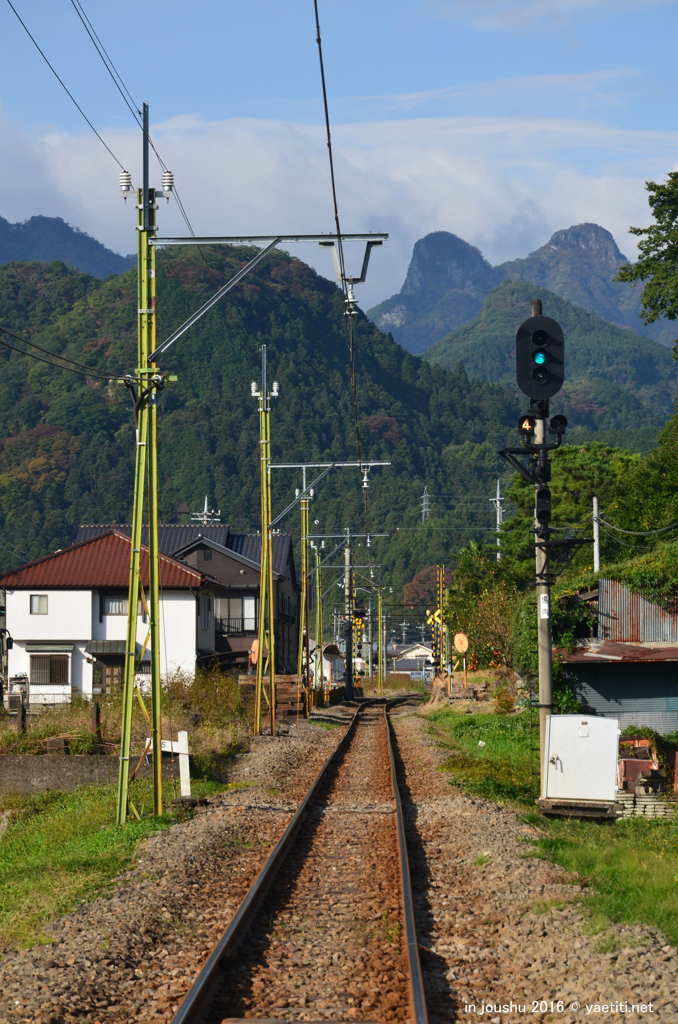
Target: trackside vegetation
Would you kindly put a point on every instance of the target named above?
(61, 849)
(630, 866)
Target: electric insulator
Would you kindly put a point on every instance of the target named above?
(167, 181)
(275, 390)
(125, 181)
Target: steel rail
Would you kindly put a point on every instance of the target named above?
(416, 980)
(196, 1002)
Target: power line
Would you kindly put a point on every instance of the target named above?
(349, 306)
(63, 85)
(108, 63)
(639, 533)
(130, 103)
(85, 371)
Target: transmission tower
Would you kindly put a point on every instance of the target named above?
(425, 505)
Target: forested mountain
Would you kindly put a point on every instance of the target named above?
(619, 387)
(67, 449)
(448, 279)
(51, 238)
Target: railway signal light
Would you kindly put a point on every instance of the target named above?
(558, 425)
(540, 351)
(543, 508)
(526, 425)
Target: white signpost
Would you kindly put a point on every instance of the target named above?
(180, 747)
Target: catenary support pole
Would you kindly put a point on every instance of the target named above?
(380, 646)
(348, 619)
(303, 597)
(596, 536)
(269, 558)
(145, 374)
(260, 694)
(499, 507)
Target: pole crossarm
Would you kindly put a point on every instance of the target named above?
(306, 493)
(321, 465)
(211, 302)
(365, 236)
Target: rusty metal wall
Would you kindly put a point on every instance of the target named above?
(628, 617)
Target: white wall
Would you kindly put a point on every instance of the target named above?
(80, 672)
(69, 616)
(73, 617)
(177, 632)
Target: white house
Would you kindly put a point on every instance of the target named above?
(67, 616)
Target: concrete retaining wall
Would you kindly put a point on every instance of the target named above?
(37, 773)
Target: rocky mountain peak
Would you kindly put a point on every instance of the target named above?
(441, 261)
(590, 239)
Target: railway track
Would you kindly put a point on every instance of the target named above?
(326, 931)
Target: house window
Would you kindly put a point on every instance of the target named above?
(207, 554)
(49, 669)
(38, 604)
(205, 609)
(115, 605)
(249, 613)
(236, 615)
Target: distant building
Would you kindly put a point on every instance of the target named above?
(234, 559)
(67, 615)
(629, 670)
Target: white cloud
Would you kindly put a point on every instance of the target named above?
(515, 14)
(504, 184)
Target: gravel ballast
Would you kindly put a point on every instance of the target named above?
(497, 928)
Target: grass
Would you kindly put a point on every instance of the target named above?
(630, 866)
(61, 849)
(499, 770)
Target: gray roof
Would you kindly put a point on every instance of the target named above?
(173, 537)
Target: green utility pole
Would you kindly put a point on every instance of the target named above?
(319, 666)
(148, 383)
(380, 647)
(266, 595)
(303, 598)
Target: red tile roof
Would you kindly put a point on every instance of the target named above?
(100, 562)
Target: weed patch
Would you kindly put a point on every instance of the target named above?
(61, 849)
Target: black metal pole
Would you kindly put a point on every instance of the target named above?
(145, 187)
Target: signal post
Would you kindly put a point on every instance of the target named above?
(540, 365)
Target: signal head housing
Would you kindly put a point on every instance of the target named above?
(540, 357)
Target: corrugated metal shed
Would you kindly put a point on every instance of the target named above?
(627, 616)
(635, 693)
(102, 561)
(608, 650)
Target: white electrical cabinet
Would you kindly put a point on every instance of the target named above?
(581, 758)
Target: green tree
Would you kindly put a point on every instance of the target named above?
(658, 263)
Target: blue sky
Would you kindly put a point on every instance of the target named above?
(499, 120)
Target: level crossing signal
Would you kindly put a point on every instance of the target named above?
(540, 357)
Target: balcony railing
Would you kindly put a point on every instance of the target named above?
(236, 627)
